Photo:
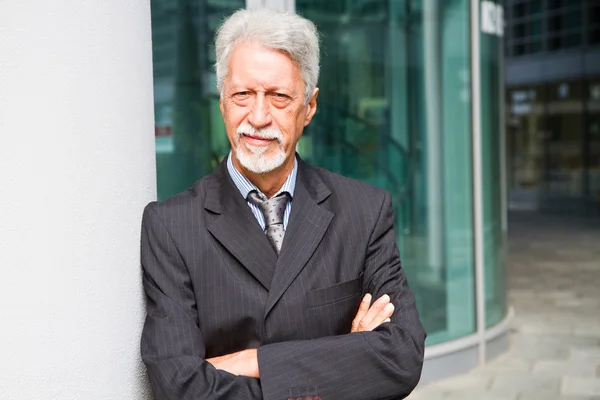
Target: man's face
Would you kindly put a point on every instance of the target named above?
(263, 107)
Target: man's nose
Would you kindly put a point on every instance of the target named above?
(259, 115)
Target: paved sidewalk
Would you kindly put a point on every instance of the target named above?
(554, 286)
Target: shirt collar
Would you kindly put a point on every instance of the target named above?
(245, 186)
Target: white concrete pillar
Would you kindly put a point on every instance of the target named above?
(77, 166)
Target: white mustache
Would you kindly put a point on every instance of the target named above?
(262, 133)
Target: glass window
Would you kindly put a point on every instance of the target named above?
(190, 136)
(535, 27)
(555, 43)
(563, 145)
(491, 124)
(554, 4)
(518, 10)
(535, 7)
(519, 31)
(394, 111)
(573, 40)
(572, 19)
(594, 36)
(555, 24)
(594, 14)
(525, 133)
(534, 46)
(592, 127)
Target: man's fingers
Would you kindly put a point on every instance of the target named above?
(383, 316)
(374, 311)
(362, 311)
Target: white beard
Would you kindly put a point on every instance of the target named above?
(252, 157)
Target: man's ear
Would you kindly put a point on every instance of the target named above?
(311, 107)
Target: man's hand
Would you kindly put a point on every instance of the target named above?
(368, 318)
(243, 362)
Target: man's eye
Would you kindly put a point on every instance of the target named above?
(241, 95)
(280, 96)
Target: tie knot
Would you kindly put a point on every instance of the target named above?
(273, 208)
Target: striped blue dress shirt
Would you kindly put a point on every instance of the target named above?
(245, 187)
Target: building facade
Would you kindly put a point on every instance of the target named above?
(553, 105)
(411, 99)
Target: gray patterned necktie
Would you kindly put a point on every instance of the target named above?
(273, 210)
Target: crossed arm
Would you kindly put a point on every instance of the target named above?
(367, 318)
(374, 361)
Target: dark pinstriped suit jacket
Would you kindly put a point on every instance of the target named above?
(215, 285)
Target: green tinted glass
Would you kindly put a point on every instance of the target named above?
(394, 111)
(491, 47)
(190, 135)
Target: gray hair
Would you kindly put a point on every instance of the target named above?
(287, 32)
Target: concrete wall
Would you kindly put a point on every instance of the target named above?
(77, 166)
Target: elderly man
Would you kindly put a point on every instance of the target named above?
(254, 276)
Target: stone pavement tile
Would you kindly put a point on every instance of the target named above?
(587, 329)
(589, 266)
(524, 293)
(580, 386)
(425, 395)
(578, 302)
(539, 347)
(560, 368)
(519, 383)
(471, 381)
(508, 364)
(563, 316)
(534, 396)
(545, 328)
(579, 352)
(588, 312)
(479, 394)
(558, 294)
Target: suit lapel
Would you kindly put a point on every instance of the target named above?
(235, 227)
(307, 225)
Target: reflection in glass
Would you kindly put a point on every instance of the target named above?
(493, 237)
(190, 136)
(552, 146)
(394, 112)
(592, 139)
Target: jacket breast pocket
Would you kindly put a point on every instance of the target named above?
(338, 292)
(333, 308)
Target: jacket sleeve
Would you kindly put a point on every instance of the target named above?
(385, 363)
(172, 346)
